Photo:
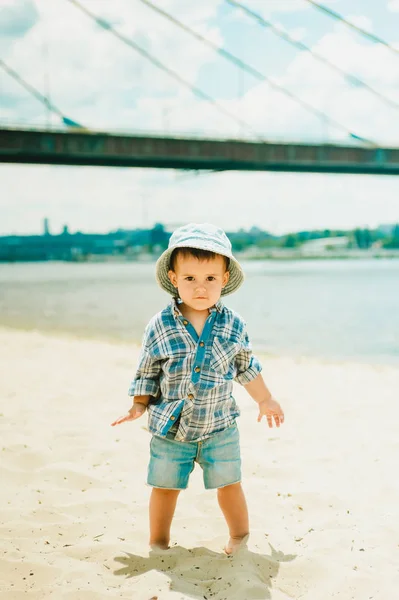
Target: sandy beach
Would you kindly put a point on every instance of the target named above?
(322, 491)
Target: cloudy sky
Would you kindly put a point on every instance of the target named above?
(96, 80)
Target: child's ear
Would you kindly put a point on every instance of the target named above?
(172, 278)
(226, 278)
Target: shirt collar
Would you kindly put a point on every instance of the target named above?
(177, 312)
(218, 306)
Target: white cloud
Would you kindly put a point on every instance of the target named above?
(360, 21)
(358, 109)
(393, 5)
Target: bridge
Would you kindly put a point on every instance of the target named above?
(116, 150)
(77, 145)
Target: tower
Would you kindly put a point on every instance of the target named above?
(46, 227)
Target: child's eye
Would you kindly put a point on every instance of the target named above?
(211, 278)
(189, 278)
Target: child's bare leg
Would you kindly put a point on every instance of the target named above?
(162, 509)
(234, 507)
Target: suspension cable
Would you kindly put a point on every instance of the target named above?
(195, 90)
(255, 73)
(352, 79)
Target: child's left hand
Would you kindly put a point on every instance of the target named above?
(271, 409)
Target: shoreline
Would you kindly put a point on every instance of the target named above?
(272, 256)
(135, 344)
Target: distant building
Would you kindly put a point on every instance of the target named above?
(324, 245)
(46, 227)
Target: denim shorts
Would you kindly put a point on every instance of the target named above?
(171, 462)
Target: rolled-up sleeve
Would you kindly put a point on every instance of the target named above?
(146, 379)
(247, 365)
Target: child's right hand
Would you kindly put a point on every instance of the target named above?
(135, 412)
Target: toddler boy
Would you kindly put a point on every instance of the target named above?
(192, 352)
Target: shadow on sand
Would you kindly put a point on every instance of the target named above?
(201, 573)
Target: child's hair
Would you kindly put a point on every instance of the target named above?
(197, 253)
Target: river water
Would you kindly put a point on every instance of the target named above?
(330, 309)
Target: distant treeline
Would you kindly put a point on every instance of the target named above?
(134, 243)
(387, 236)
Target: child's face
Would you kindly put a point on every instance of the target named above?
(200, 282)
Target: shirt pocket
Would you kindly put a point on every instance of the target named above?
(223, 353)
(178, 366)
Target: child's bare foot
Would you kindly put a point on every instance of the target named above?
(236, 543)
(159, 546)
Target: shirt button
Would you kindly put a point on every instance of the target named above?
(172, 418)
(202, 344)
(190, 396)
(197, 369)
(185, 322)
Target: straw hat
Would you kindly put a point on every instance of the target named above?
(203, 237)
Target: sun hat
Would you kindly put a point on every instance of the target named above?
(202, 236)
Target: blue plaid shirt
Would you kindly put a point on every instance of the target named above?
(190, 377)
